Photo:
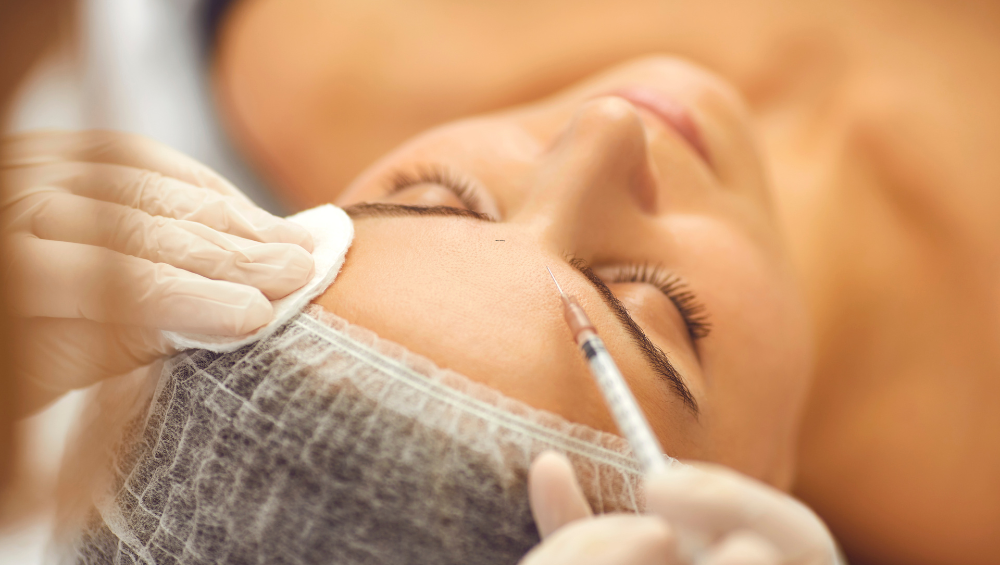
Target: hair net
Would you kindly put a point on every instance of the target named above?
(324, 443)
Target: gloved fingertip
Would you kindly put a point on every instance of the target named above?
(307, 241)
(259, 312)
(554, 494)
(273, 229)
(254, 313)
(290, 268)
(290, 232)
(285, 255)
(550, 458)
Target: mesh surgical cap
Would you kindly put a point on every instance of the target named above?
(324, 443)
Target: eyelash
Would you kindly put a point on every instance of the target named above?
(441, 176)
(691, 310)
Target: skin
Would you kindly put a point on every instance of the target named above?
(601, 179)
(878, 126)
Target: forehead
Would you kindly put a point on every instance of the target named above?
(510, 137)
(488, 309)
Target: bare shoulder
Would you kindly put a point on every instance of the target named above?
(901, 444)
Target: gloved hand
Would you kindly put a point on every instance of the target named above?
(740, 520)
(110, 238)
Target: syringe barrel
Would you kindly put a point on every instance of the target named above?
(624, 408)
(577, 320)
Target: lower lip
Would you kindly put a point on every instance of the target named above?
(670, 112)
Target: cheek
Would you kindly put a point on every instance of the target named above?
(757, 358)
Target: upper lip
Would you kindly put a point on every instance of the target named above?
(673, 114)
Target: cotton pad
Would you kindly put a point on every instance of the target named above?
(332, 232)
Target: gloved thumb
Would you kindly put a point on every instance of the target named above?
(554, 493)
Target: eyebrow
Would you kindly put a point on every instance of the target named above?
(655, 356)
(385, 210)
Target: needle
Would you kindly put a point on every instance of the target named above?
(561, 293)
(624, 408)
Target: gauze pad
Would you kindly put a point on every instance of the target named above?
(326, 444)
(332, 232)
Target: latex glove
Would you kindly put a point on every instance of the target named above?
(742, 521)
(110, 238)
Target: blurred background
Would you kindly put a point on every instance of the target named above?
(290, 99)
(139, 66)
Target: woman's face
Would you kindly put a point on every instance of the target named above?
(642, 191)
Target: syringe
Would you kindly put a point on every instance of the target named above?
(624, 408)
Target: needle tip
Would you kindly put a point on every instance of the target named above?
(555, 281)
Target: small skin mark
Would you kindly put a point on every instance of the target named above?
(501, 240)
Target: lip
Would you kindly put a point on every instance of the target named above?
(671, 113)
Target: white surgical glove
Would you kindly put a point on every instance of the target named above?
(743, 521)
(110, 238)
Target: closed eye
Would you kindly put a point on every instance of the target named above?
(692, 311)
(440, 176)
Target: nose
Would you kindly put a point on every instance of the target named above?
(597, 174)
